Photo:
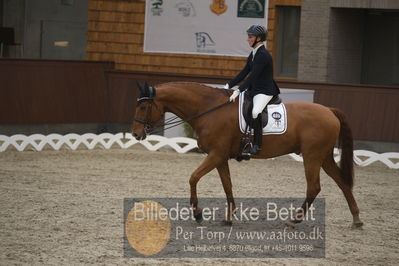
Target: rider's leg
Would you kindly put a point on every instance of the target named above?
(260, 101)
(257, 143)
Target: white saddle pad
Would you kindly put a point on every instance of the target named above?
(277, 123)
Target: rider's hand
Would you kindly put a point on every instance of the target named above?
(234, 95)
(226, 87)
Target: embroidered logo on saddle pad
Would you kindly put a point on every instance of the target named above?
(277, 118)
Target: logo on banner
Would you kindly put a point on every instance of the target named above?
(251, 8)
(186, 8)
(218, 7)
(204, 40)
(156, 7)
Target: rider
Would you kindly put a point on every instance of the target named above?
(259, 82)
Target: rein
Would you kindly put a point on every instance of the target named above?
(170, 123)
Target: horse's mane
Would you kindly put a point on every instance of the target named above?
(198, 86)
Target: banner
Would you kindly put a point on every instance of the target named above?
(258, 228)
(216, 27)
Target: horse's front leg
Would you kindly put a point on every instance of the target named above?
(224, 174)
(210, 163)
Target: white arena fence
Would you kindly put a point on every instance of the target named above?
(38, 142)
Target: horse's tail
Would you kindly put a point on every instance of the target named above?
(345, 143)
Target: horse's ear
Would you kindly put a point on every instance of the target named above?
(153, 92)
(145, 90)
(141, 88)
(149, 90)
(146, 87)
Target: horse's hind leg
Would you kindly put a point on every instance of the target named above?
(224, 174)
(312, 173)
(331, 168)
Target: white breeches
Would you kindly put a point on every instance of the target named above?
(260, 101)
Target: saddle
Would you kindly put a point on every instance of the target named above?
(247, 114)
(247, 109)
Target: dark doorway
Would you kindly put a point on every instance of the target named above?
(381, 48)
(52, 29)
(63, 40)
(1, 13)
(287, 41)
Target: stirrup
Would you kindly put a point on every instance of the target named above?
(246, 151)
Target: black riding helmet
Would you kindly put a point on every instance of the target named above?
(258, 30)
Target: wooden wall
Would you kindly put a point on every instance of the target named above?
(116, 33)
(53, 91)
(61, 92)
(373, 111)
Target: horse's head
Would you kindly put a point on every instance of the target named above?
(148, 112)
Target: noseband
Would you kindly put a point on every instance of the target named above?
(148, 123)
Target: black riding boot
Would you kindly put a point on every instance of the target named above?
(257, 126)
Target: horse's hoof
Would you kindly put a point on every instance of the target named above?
(357, 225)
(198, 217)
(227, 223)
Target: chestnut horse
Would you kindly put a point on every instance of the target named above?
(312, 131)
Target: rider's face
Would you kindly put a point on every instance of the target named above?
(251, 40)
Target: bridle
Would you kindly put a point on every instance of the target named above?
(148, 123)
(151, 127)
